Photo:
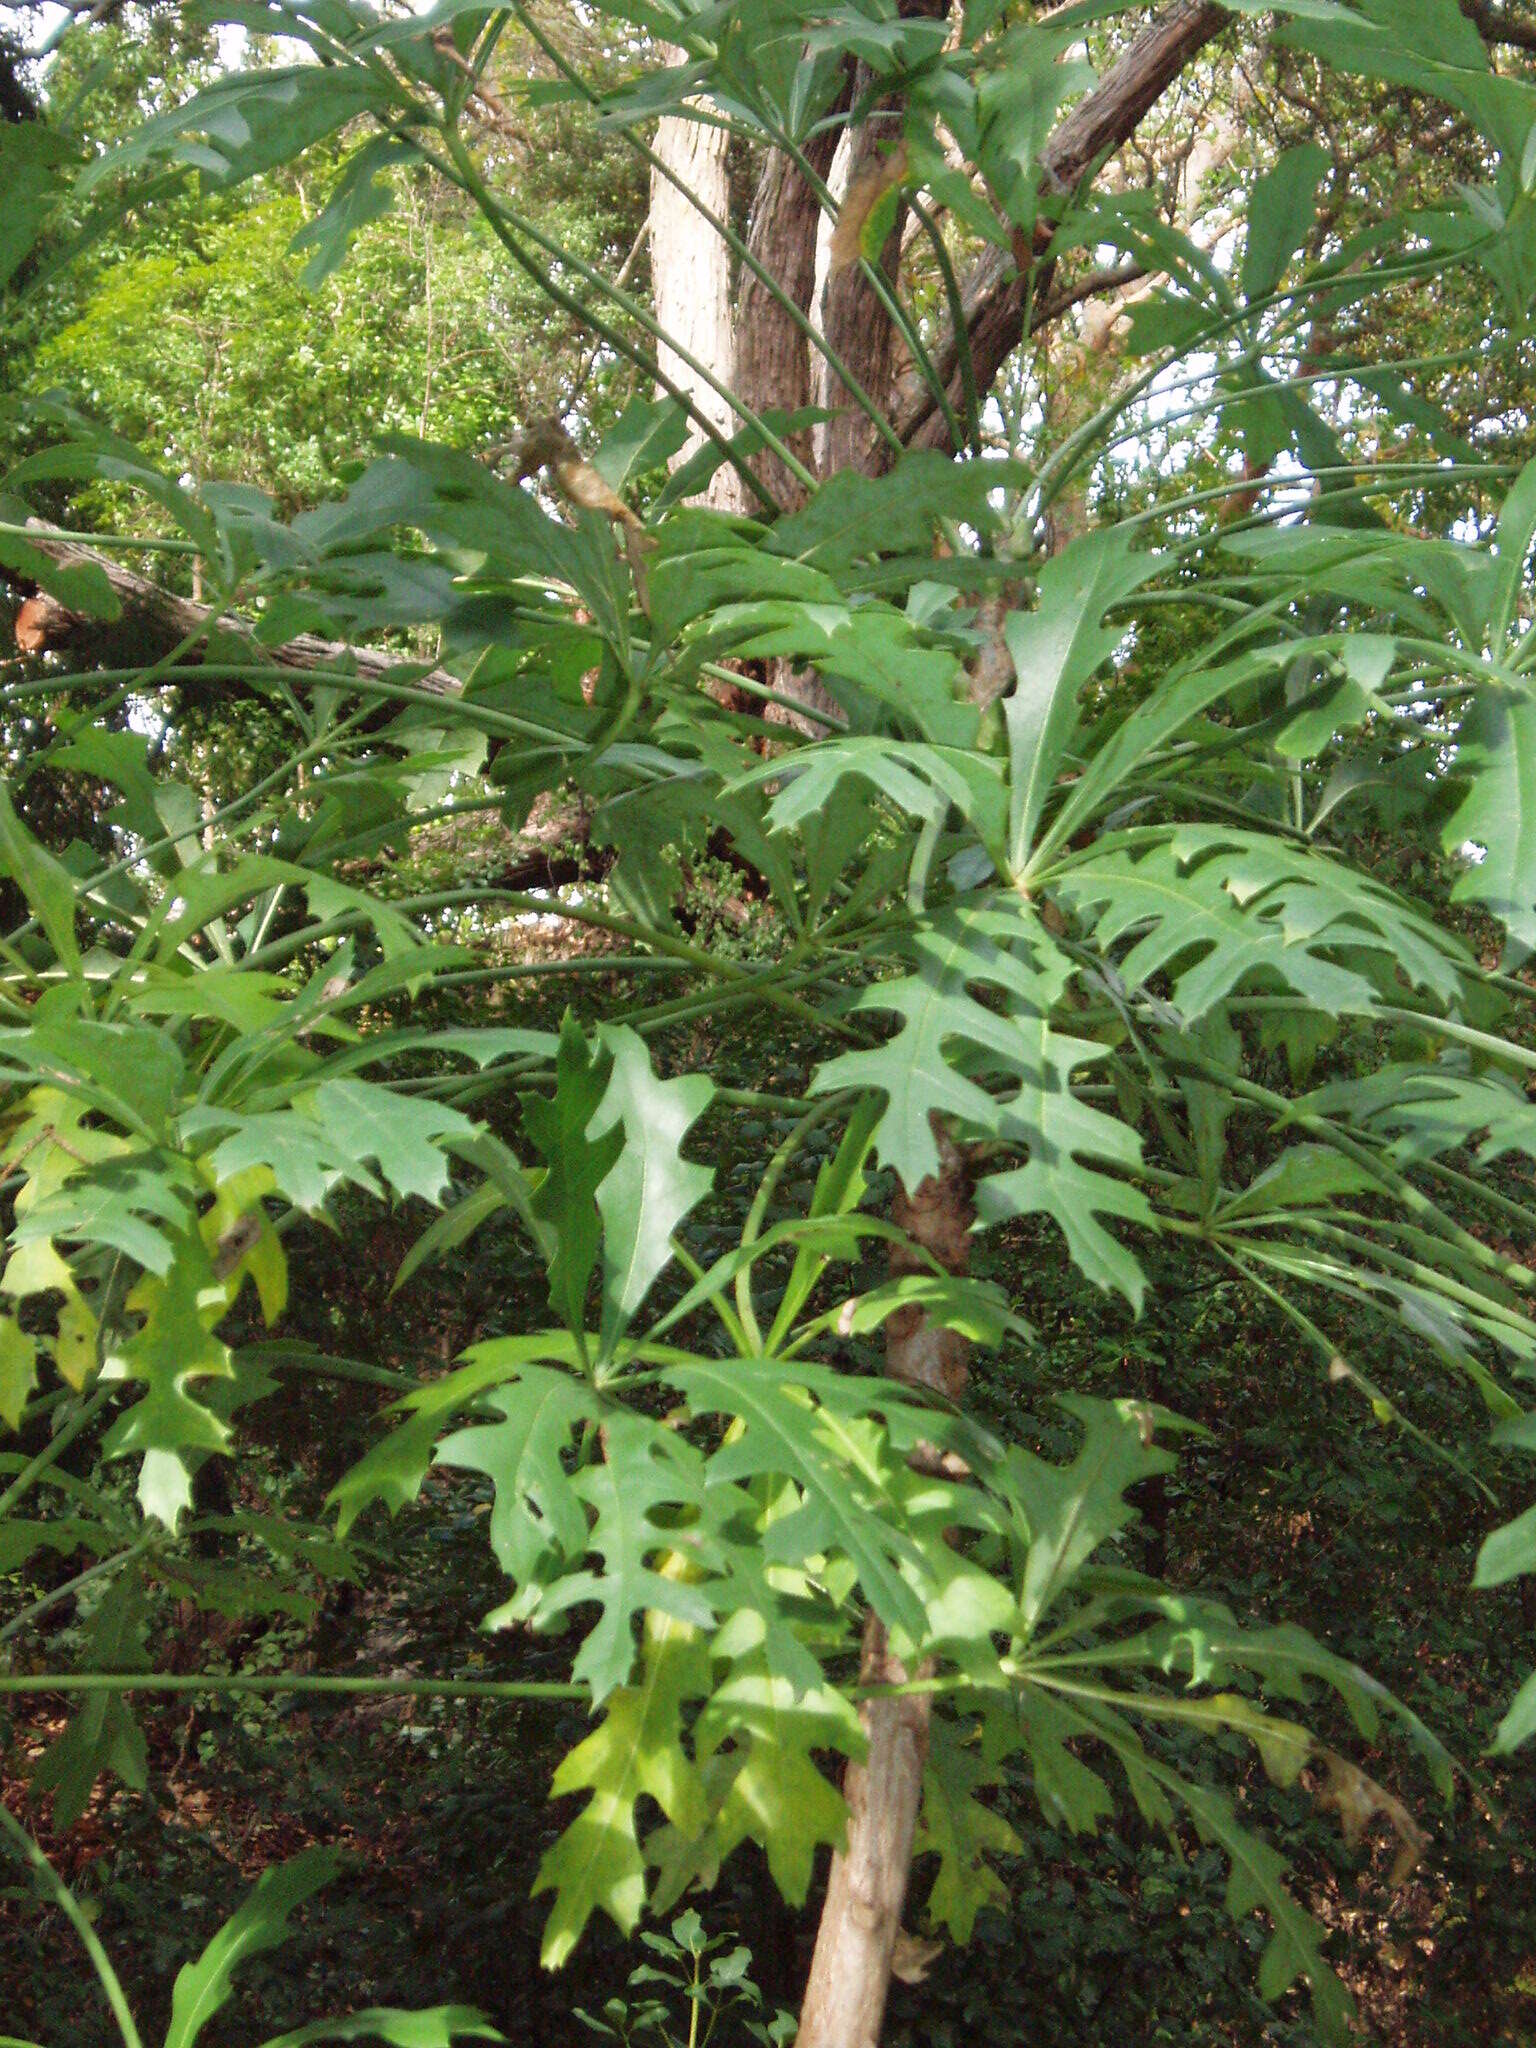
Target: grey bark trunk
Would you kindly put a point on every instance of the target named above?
(691, 283)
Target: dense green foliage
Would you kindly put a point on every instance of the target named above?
(1205, 937)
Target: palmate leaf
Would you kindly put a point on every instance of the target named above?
(955, 1825)
(1072, 1795)
(539, 1520)
(247, 121)
(131, 1074)
(336, 1131)
(1218, 909)
(920, 780)
(798, 1422)
(1068, 1511)
(635, 1752)
(1280, 215)
(1256, 1882)
(1001, 1071)
(945, 1031)
(1424, 1110)
(650, 1187)
(1200, 1637)
(853, 516)
(868, 652)
(120, 1203)
(393, 1470)
(173, 1350)
(645, 1468)
(1065, 1135)
(757, 1740)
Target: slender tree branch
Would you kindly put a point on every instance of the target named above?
(997, 295)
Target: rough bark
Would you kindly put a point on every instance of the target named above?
(993, 295)
(937, 1216)
(858, 327)
(773, 356)
(774, 364)
(856, 1941)
(855, 323)
(691, 279)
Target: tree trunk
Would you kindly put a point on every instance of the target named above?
(851, 1969)
(773, 354)
(855, 322)
(763, 355)
(856, 1941)
(691, 280)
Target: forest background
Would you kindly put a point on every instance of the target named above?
(209, 324)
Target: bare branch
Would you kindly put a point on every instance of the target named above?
(155, 620)
(1495, 25)
(994, 295)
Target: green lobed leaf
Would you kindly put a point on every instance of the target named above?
(634, 1753)
(650, 1187)
(1070, 1510)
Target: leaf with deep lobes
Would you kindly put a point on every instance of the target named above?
(174, 1348)
(538, 1520)
(645, 1468)
(1071, 1509)
(635, 1752)
(851, 1480)
(956, 1826)
(650, 1187)
(1257, 1880)
(949, 1038)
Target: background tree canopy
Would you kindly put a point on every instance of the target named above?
(768, 871)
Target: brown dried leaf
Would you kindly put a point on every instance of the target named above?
(1357, 1799)
(862, 197)
(913, 1957)
(584, 487)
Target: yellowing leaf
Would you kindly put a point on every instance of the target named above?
(18, 1370)
(868, 210)
(75, 1346)
(634, 1752)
